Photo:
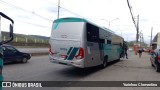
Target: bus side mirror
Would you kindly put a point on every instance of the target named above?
(11, 31)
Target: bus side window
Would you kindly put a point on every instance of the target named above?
(101, 41)
(108, 41)
(92, 33)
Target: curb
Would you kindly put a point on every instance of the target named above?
(39, 53)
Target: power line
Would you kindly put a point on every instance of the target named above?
(34, 24)
(11, 5)
(64, 8)
(70, 11)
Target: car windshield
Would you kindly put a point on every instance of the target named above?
(10, 48)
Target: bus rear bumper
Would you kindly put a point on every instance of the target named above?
(76, 63)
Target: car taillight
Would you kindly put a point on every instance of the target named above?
(158, 58)
(80, 54)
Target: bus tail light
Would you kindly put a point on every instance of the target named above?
(50, 51)
(80, 54)
(63, 56)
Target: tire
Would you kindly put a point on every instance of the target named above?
(24, 60)
(157, 68)
(104, 62)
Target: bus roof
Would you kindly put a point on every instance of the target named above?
(70, 19)
(75, 19)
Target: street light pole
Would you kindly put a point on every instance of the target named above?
(140, 36)
(151, 37)
(122, 31)
(58, 8)
(110, 21)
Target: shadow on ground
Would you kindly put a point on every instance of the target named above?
(82, 72)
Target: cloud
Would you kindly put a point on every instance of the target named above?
(94, 10)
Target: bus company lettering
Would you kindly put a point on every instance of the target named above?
(14, 84)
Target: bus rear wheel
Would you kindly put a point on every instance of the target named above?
(105, 62)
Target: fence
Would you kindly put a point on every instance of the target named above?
(28, 42)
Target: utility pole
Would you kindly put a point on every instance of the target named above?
(58, 8)
(140, 39)
(137, 28)
(151, 37)
(143, 40)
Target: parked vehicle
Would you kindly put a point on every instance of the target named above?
(80, 43)
(11, 54)
(155, 59)
(130, 49)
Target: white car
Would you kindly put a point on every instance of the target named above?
(130, 49)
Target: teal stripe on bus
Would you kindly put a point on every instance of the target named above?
(69, 51)
(73, 53)
(55, 26)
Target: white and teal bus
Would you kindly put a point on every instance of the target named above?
(80, 43)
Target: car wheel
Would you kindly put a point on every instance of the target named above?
(24, 60)
(157, 68)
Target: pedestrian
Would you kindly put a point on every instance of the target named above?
(125, 49)
(140, 52)
(122, 53)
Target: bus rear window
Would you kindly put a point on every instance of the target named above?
(71, 30)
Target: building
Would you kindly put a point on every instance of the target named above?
(156, 41)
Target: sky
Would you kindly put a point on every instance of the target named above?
(35, 17)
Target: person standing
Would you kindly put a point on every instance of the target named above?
(125, 47)
(140, 52)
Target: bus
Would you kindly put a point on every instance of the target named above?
(81, 43)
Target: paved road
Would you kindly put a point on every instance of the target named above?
(40, 69)
(33, 50)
